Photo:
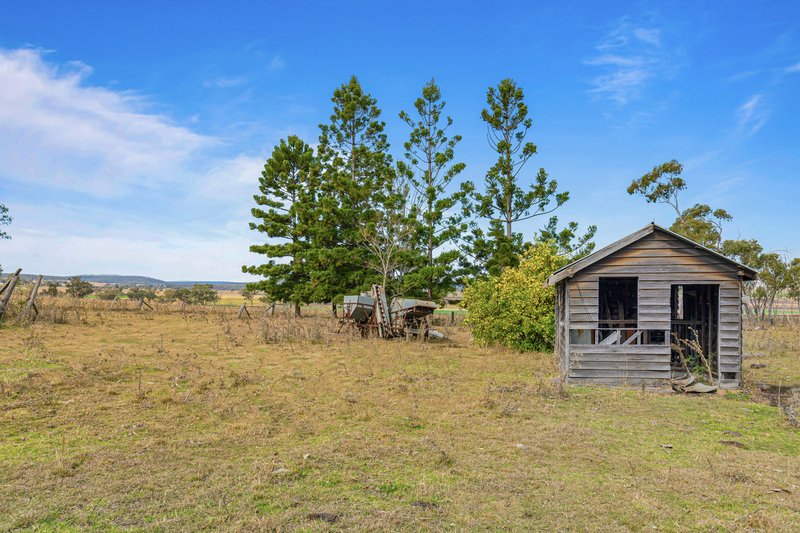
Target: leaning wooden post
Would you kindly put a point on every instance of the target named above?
(8, 281)
(8, 291)
(243, 311)
(24, 314)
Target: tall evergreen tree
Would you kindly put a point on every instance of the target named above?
(567, 241)
(506, 200)
(285, 211)
(431, 169)
(355, 169)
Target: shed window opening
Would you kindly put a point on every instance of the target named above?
(618, 302)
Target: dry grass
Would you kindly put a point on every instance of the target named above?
(187, 420)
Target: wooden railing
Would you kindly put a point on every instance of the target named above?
(618, 336)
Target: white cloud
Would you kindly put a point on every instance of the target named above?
(793, 68)
(105, 185)
(171, 255)
(630, 57)
(752, 114)
(232, 179)
(57, 130)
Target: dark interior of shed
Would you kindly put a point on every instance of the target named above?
(695, 324)
(618, 307)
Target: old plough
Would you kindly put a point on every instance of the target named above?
(372, 314)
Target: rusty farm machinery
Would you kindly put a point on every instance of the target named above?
(372, 314)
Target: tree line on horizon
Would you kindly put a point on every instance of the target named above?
(75, 287)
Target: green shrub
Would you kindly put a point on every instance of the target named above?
(515, 309)
(108, 293)
(140, 293)
(78, 288)
(203, 293)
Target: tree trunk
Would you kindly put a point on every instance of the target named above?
(771, 316)
(334, 313)
(297, 309)
(430, 219)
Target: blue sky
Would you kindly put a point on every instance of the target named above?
(132, 135)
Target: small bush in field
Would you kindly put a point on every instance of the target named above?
(140, 293)
(78, 288)
(515, 309)
(108, 293)
(203, 293)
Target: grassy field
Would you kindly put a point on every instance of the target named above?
(189, 420)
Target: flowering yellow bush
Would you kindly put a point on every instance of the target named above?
(515, 309)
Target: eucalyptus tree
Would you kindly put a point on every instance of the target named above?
(775, 274)
(700, 222)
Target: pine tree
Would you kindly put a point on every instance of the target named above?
(505, 200)
(430, 154)
(285, 210)
(355, 169)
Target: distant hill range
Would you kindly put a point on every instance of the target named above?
(139, 281)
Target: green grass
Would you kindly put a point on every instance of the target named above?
(188, 421)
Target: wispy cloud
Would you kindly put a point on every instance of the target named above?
(225, 83)
(138, 184)
(55, 129)
(793, 68)
(276, 63)
(629, 56)
(649, 36)
(752, 115)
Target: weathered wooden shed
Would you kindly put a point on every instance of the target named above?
(619, 310)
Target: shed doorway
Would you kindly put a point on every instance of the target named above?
(695, 325)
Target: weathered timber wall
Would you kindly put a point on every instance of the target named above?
(658, 261)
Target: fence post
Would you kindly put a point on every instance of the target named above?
(8, 281)
(7, 291)
(31, 301)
